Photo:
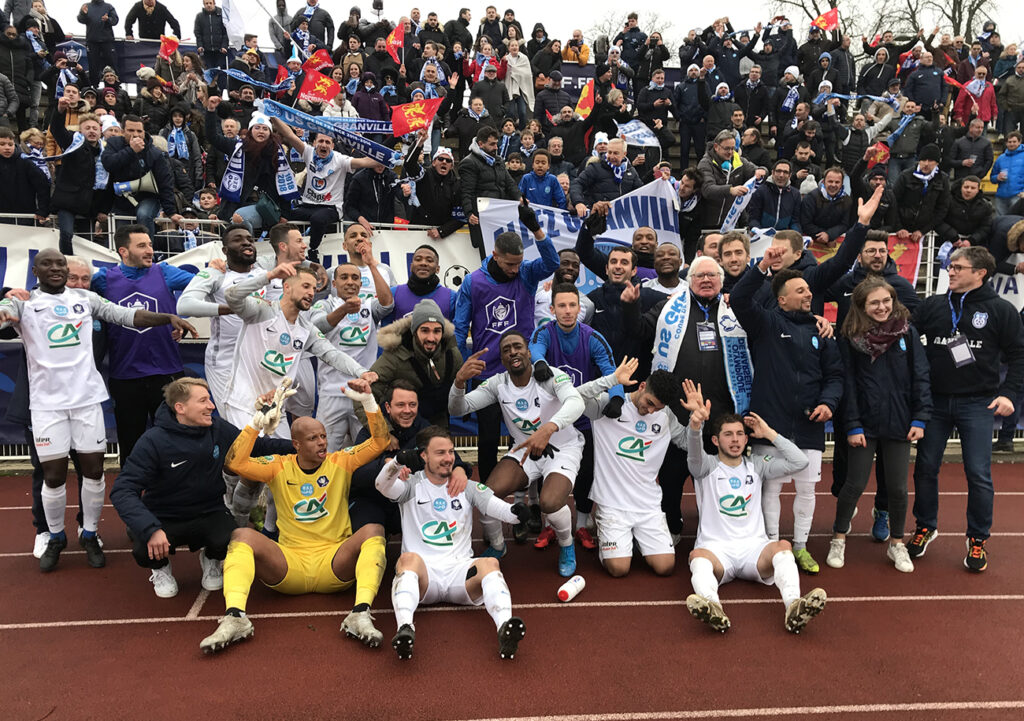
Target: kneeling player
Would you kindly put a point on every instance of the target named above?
(539, 415)
(731, 540)
(317, 552)
(437, 561)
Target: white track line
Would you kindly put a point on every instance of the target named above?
(197, 606)
(772, 712)
(518, 606)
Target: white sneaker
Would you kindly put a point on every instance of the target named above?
(230, 630)
(898, 554)
(213, 572)
(836, 553)
(360, 625)
(163, 582)
(40, 544)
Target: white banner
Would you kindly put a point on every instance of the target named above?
(635, 132)
(655, 204)
(458, 257)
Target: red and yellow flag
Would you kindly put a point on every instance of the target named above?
(317, 88)
(828, 21)
(320, 59)
(396, 40)
(411, 117)
(586, 101)
(168, 45)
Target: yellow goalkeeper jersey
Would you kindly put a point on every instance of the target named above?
(312, 508)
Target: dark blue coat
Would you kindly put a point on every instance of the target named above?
(795, 369)
(883, 398)
(842, 289)
(174, 472)
(690, 100)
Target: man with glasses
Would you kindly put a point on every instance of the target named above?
(969, 331)
(723, 175)
(776, 203)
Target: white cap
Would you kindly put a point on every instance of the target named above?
(693, 66)
(260, 119)
(600, 138)
(444, 152)
(720, 86)
(107, 122)
(792, 70)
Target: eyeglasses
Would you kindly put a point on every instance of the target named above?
(702, 276)
(957, 268)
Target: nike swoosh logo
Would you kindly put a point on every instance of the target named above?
(291, 484)
(38, 310)
(847, 295)
(421, 503)
(175, 465)
(785, 335)
(599, 310)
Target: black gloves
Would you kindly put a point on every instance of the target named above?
(548, 452)
(528, 218)
(596, 224)
(614, 407)
(542, 371)
(410, 458)
(522, 512)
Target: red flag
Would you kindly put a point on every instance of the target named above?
(877, 153)
(320, 59)
(282, 73)
(413, 116)
(395, 41)
(828, 21)
(317, 88)
(954, 82)
(168, 46)
(586, 101)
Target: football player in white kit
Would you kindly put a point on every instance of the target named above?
(437, 563)
(628, 452)
(540, 417)
(204, 297)
(358, 243)
(66, 390)
(731, 538)
(350, 323)
(275, 336)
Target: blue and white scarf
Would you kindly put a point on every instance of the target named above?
(895, 135)
(177, 145)
(309, 10)
(243, 78)
(925, 179)
(234, 177)
(36, 156)
(792, 96)
(77, 141)
(440, 72)
(352, 86)
(301, 38)
(476, 116)
(334, 127)
(831, 198)
(619, 171)
(739, 205)
(690, 203)
(63, 78)
(739, 369)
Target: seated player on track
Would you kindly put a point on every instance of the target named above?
(732, 543)
(437, 561)
(628, 452)
(317, 552)
(539, 415)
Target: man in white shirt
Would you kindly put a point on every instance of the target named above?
(66, 390)
(437, 563)
(358, 244)
(731, 538)
(350, 323)
(539, 415)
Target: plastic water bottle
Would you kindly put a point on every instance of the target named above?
(571, 588)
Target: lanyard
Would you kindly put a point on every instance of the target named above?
(705, 308)
(956, 314)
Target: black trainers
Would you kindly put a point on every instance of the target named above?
(93, 553)
(1003, 446)
(51, 555)
(534, 524)
(509, 636)
(403, 642)
(521, 533)
(919, 543)
(977, 558)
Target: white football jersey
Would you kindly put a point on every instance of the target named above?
(436, 526)
(355, 334)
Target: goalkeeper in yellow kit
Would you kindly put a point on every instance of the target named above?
(317, 551)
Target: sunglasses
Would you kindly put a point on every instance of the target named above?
(443, 159)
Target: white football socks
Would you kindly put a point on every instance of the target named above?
(92, 496)
(561, 523)
(787, 576)
(702, 578)
(497, 599)
(405, 596)
(55, 500)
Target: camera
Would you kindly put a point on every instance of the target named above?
(378, 7)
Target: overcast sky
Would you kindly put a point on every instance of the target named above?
(560, 18)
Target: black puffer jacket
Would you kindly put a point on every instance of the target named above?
(76, 174)
(481, 179)
(970, 218)
(919, 208)
(597, 182)
(16, 64)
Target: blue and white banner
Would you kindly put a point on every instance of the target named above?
(316, 124)
(739, 205)
(359, 125)
(243, 78)
(636, 133)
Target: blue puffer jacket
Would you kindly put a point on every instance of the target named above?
(1012, 161)
(775, 207)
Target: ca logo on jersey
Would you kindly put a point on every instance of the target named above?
(527, 426)
(633, 448)
(276, 362)
(311, 509)
(439, 533)
(733, 506)
(64, 335)
(354, 335)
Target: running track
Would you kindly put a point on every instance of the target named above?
(85, 644)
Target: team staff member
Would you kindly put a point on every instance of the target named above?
(969, 332)
(886, 404)
(141, 363)
(171, 491)
(318, 552)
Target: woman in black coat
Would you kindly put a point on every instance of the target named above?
(74, 191)
(886, 403)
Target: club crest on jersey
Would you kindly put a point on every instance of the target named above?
(641, 426)
(64, 335)
(814, 342)
(734, 506)
(285, 339)
(735, 483)
(322, 481)
(979, 320)
(60, 310)
(216, 452)
(456, 504)
(527, 426)
(306, 489)
(633, 448)
(354, 335)
(439, 533)
(522, 404)
(501, 314)
(311, 509)
(440, 505)
(78, 308)
(276, 362)
(903, 344)
(318, 183)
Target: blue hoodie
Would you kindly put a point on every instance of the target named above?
(542, 190)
